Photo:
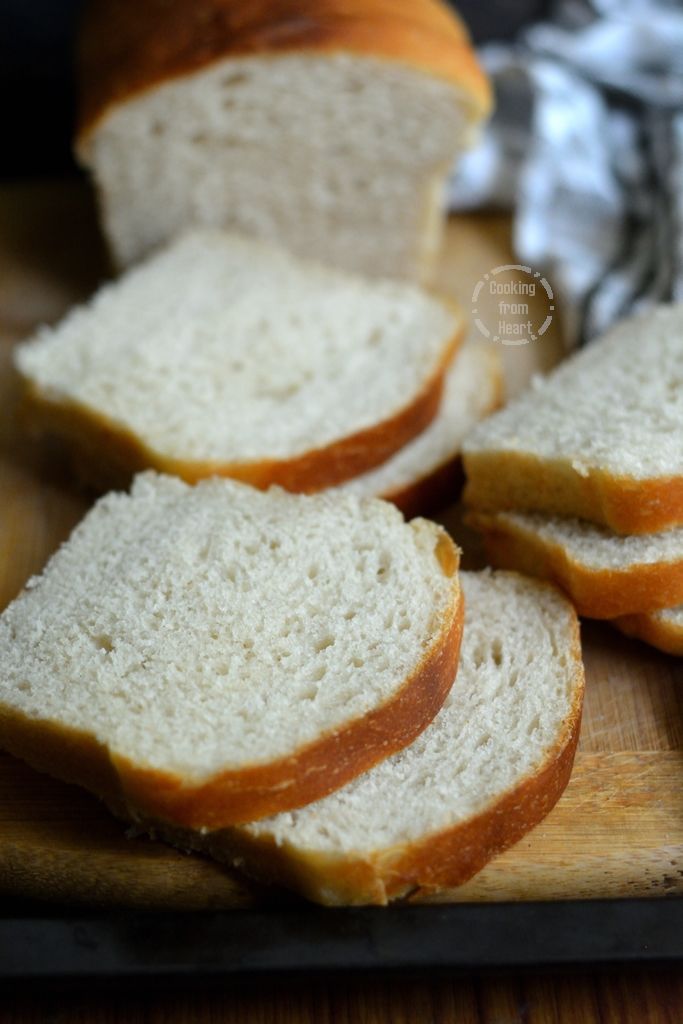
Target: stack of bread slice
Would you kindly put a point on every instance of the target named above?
(227, 356)
(276, 679)
(581, 479)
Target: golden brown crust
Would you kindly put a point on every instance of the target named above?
(68, 754)
(443, 484)
(108, 455)
(666, 636)
(250, 793)
(129, 46)
(596, 593)
(515, 481)
(430, 493)
(439, 861)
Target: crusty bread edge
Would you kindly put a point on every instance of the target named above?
(107, 454)
(123, 54)
(257, 791)
(663, 635)
(443, 483)
(439, 861)
(430, 493)
(517, 481)
(596, 593)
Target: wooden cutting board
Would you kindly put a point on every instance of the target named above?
(618, 830)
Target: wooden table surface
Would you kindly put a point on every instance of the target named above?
(617, 831)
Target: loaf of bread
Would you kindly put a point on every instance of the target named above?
(489, 768)
(601, 438)
(212, 654)
(427, 473)
(662, 629)
(226, 356)
(327, 125)
(605, 575)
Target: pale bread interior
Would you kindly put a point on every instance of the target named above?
(671, 618)
(616, 407)
(339, 157)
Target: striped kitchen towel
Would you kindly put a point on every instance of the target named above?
(586, 147)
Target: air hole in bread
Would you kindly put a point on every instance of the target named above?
(103, 642)
(478, 656)
(384, 566)
(236, 78)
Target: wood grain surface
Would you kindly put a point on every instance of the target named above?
(608, 998)
(618, 830)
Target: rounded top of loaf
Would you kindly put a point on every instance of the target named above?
(128, 47)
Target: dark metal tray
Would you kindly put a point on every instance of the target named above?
(150, 946)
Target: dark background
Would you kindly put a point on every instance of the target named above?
(37, 92)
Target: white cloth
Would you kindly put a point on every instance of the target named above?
(586, 146)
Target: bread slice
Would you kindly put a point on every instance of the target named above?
(489, 768)
(327, 125)
(227, 356)
(662, 629)
(214, 654)
(599, 438)
(427, 473)
(604, 574)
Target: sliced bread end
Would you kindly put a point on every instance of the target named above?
(605, 575)
(516, 481)
(662, 629)
(223, 356)
(210, 655)
(426, 475)
(105, 455)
